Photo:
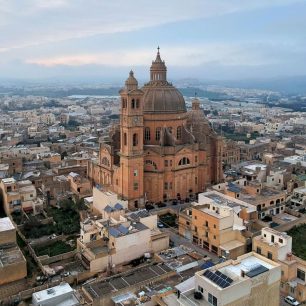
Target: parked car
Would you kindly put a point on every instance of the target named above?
(174, 202)
(291, 301)
(161, 204)
(149, 206)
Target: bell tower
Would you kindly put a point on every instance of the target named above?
(131, 143)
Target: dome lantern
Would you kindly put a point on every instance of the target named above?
(158, 70)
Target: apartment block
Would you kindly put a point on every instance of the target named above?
(277, 246)
(250, 280)
(216, 222)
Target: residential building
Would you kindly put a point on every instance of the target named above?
(119, 239)
(277, 246)
(13, 264)
(250, 280)
(62, 294)
(19, 195)
(216, 222)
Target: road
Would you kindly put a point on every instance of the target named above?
(179, 240)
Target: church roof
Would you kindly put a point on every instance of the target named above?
(160, 96)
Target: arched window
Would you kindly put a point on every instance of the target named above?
(105, 162)
(152, 163)
(133, 103)
(135, 140)
(147, 133)
(184, 161)
(157, 133)
(179, 133)
(125, 139)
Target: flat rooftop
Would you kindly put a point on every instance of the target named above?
(10, 255)
(9, 180)
(6, 224)
(225, 200)
(117, 283)
(62, 294)
(223, 276)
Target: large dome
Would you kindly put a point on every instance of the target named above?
(162, 99)
(159, 95)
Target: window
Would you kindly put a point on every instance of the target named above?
(215, 237)
(195, 217)
(206, 234)
(206, 223)
(125, 139)
(196, 180)
(200, 289)
(123, 103)
(258, 250)
(170, 163)
(133, 103)
(147, 133)
(150, 162)
(195, 229)
(157, 133)
(135, 140)
(135, 186)
(300, 274)
(187, 223)
(179, 132)
(166, 186)
(212, 300)
(215, 226)
(270, 255)
(184, 161)
(166, 163)
(135, 172)
(196, 159)
(272, 238)
(280, 240)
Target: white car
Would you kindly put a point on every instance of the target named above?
(291, 301)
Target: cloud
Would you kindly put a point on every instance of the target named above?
(35, 22)
(247, 54)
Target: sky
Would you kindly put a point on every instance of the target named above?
(103, 40)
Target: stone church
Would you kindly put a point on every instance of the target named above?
(159, 150)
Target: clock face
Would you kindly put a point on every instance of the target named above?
(136, 120)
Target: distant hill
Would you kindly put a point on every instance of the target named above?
(286, 85)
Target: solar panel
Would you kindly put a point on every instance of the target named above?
(228, 279)
(114, 232)
(123, 229)
(223, 284)
(258, 270)
(218, 278)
